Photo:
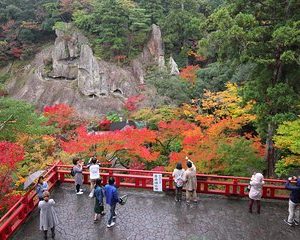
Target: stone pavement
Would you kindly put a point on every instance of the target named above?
(149, 215)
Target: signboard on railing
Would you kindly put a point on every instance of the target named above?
(157, 182)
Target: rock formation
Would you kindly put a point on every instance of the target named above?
(68, 72)
(173, 67)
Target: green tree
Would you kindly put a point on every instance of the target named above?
(287, 139)
(17, 117)
(264, 33)
(120, 26)
(240, 158)
(171, 90)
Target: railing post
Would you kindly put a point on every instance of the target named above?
(118, 181)
(25, 204)
(85, 178)
(110, 173)
(234, 188)
(170, 182)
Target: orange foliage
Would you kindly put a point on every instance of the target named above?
(128, 141)
(189, 73)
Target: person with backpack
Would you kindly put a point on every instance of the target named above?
(255, 193)
(77, 173)
(99, 196)
(112, 198)
(190, 180)
(94, 174)
(294, 202)
(178, 180)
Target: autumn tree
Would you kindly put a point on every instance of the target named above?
(11, 154)
(123, 145)
(62, 116)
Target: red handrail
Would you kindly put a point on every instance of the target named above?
(210, 184)
(18, 213)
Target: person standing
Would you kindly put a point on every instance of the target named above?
(190, 179)
(112, 198)
(48, 217)
(255, 194)
(294, 202)
(41, 187)
(94, 174)
(178, 180)
(78, 177)
(99, 195)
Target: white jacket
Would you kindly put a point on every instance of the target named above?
(256, 183)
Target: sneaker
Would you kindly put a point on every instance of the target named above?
(288, 223)
(79, 193)
(80, 190)
(296, 223)
(114, 217)
(110, 225)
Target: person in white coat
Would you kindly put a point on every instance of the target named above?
(48, 217)
(255, 194)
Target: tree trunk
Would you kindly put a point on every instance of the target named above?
(270, 151)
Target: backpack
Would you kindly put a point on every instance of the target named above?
(72, 172)
(179, 181)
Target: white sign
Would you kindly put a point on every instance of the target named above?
(157, 182)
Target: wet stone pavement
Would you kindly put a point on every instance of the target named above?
(149, 215)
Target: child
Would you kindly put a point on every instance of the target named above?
(256, 185)
(178, 179)
(99, 195)
(78, 177)
(41, 187)
(48, 218)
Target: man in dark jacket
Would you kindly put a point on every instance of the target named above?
(112, 198)
(294, 202)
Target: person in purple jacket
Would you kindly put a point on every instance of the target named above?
(294, 202)
(112, 198)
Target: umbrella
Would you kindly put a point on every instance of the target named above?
(32, 177)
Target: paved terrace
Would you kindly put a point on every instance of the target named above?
(149, 215)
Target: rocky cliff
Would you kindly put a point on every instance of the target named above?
(68, 72)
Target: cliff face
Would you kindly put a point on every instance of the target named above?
(68, 72)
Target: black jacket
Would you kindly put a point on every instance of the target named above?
(295, 194)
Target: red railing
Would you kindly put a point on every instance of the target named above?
(208, 184)
(19, 212)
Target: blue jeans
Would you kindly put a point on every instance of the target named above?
(112, 212)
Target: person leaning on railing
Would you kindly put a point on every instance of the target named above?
(41, 187)
(294, 202)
